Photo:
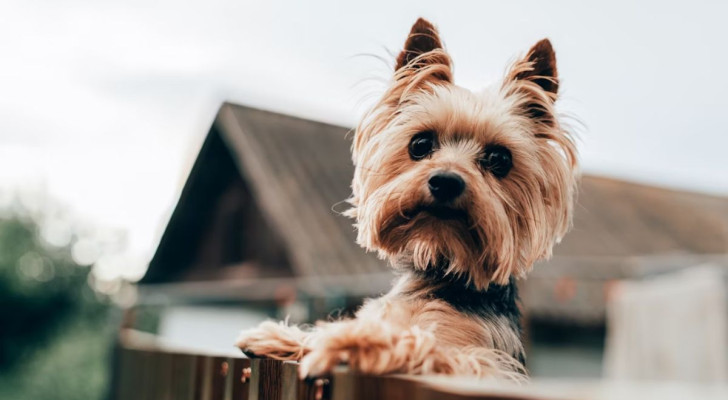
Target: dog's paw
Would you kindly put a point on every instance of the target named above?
(273, 340)
(249, 353)
(365, 358)
(317, 364)
(366, 348)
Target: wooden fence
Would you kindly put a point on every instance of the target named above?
(146, 371)
(143, 371)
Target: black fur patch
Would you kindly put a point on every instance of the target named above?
(496, 301)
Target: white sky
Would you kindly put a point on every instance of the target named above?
(104, 104)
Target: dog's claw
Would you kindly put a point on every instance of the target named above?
(250, 354)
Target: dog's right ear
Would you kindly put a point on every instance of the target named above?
(423, 48)
(540, 67)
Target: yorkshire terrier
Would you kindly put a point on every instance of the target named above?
(462, 192)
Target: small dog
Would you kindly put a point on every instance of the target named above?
(462, 192)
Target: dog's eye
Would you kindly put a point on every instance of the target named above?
(497, 159)
(421, 145)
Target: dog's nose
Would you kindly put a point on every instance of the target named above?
(446, 186)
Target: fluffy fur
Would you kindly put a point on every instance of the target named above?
(454, 307)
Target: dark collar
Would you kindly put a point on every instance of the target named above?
(459, 293)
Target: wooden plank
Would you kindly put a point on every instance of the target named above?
(369, 387)
(240, 379)
(203, 378)
(137, 374)
(153, 377)
(219, 378)
(122, 374)
(164, 376)
(293, 388)
(342, 387)
(265, 379)
(352, 386)
(289, 381)
(427, 393)
(452, 392)
(183, 373)
(390, 387)
(143, 371)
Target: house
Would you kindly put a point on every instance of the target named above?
(258, 228)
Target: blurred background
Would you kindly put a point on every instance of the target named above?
(176, 168)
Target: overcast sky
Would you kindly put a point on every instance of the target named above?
(104, 104)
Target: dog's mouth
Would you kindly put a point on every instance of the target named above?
(443, 229)
(422, 219)
(440, 212)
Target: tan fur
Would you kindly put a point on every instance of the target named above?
(532, 208)
(510, 222)
(397, 333)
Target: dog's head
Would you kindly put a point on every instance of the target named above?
(477, 184)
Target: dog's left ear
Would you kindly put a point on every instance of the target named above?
(539, 67)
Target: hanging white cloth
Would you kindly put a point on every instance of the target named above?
(670, 327)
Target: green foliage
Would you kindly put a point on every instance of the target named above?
(54, 335)
(74, 365)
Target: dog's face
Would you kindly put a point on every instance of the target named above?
(478, 184)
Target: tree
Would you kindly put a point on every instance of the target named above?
(51, 321)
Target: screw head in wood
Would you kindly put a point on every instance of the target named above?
(245, 375)
(319, 384)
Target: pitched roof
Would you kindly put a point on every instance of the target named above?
(618, 218)
(298, 174)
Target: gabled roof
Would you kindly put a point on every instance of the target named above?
(297, 173)
(300, 172)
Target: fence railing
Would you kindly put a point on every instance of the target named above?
(156, 374)
(145, 370)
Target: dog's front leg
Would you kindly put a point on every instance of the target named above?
(377, 347)
(367, 346)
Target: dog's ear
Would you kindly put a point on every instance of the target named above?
(539, 66)
(423, 48)
(536, 81)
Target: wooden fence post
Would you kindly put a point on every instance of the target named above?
(240, 378)
(183, 376)
(265, 382)
(296, 389)
(351, 386)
